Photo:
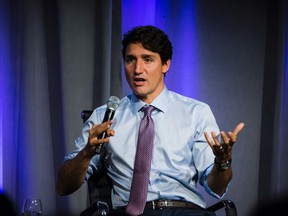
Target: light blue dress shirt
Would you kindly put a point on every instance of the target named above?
(181, 156)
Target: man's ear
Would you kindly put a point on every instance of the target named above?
(166, 66)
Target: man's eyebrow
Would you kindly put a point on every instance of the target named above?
(142, 56)
(129, 56)
(147, 56)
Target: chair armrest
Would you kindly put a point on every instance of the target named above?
(229, 206)
(97, 209)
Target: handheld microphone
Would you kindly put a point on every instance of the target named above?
(112, 105)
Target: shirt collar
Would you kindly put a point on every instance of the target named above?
(160, 102)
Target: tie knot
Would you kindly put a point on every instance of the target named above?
(148, 110)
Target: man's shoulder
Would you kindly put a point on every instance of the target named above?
(180, 98)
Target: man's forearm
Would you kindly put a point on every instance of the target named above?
(219, 179)
(71, 174)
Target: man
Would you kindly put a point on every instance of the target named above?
(187, 144)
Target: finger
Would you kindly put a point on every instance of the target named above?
(99, 129)
(238, 128)
(208, 139)
(232, 136)
(96, 140)
(224, 137)
(110, 132)
(218, 142)
(215, 138)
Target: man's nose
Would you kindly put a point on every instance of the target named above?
(138, 67)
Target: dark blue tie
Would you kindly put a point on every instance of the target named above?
(139, 187)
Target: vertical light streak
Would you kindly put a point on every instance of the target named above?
(3, 74)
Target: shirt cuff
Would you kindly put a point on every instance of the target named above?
(207, 188)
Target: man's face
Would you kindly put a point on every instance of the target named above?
(144, 72)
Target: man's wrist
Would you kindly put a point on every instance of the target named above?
(224, 165)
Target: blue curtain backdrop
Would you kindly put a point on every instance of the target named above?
(59, 57)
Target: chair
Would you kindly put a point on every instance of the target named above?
(99, 190)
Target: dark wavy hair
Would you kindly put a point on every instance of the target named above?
(151, 38)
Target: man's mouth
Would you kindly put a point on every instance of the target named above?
(139, 81)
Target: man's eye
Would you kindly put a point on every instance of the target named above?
(148, 60)
(129, 60)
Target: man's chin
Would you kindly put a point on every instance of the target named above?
(140, 94)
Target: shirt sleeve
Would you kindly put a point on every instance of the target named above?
(202, 153)
(81, 142)
(207, 188)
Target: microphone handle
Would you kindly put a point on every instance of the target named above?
(109, 114)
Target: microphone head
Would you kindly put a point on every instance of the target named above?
(113, 102)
